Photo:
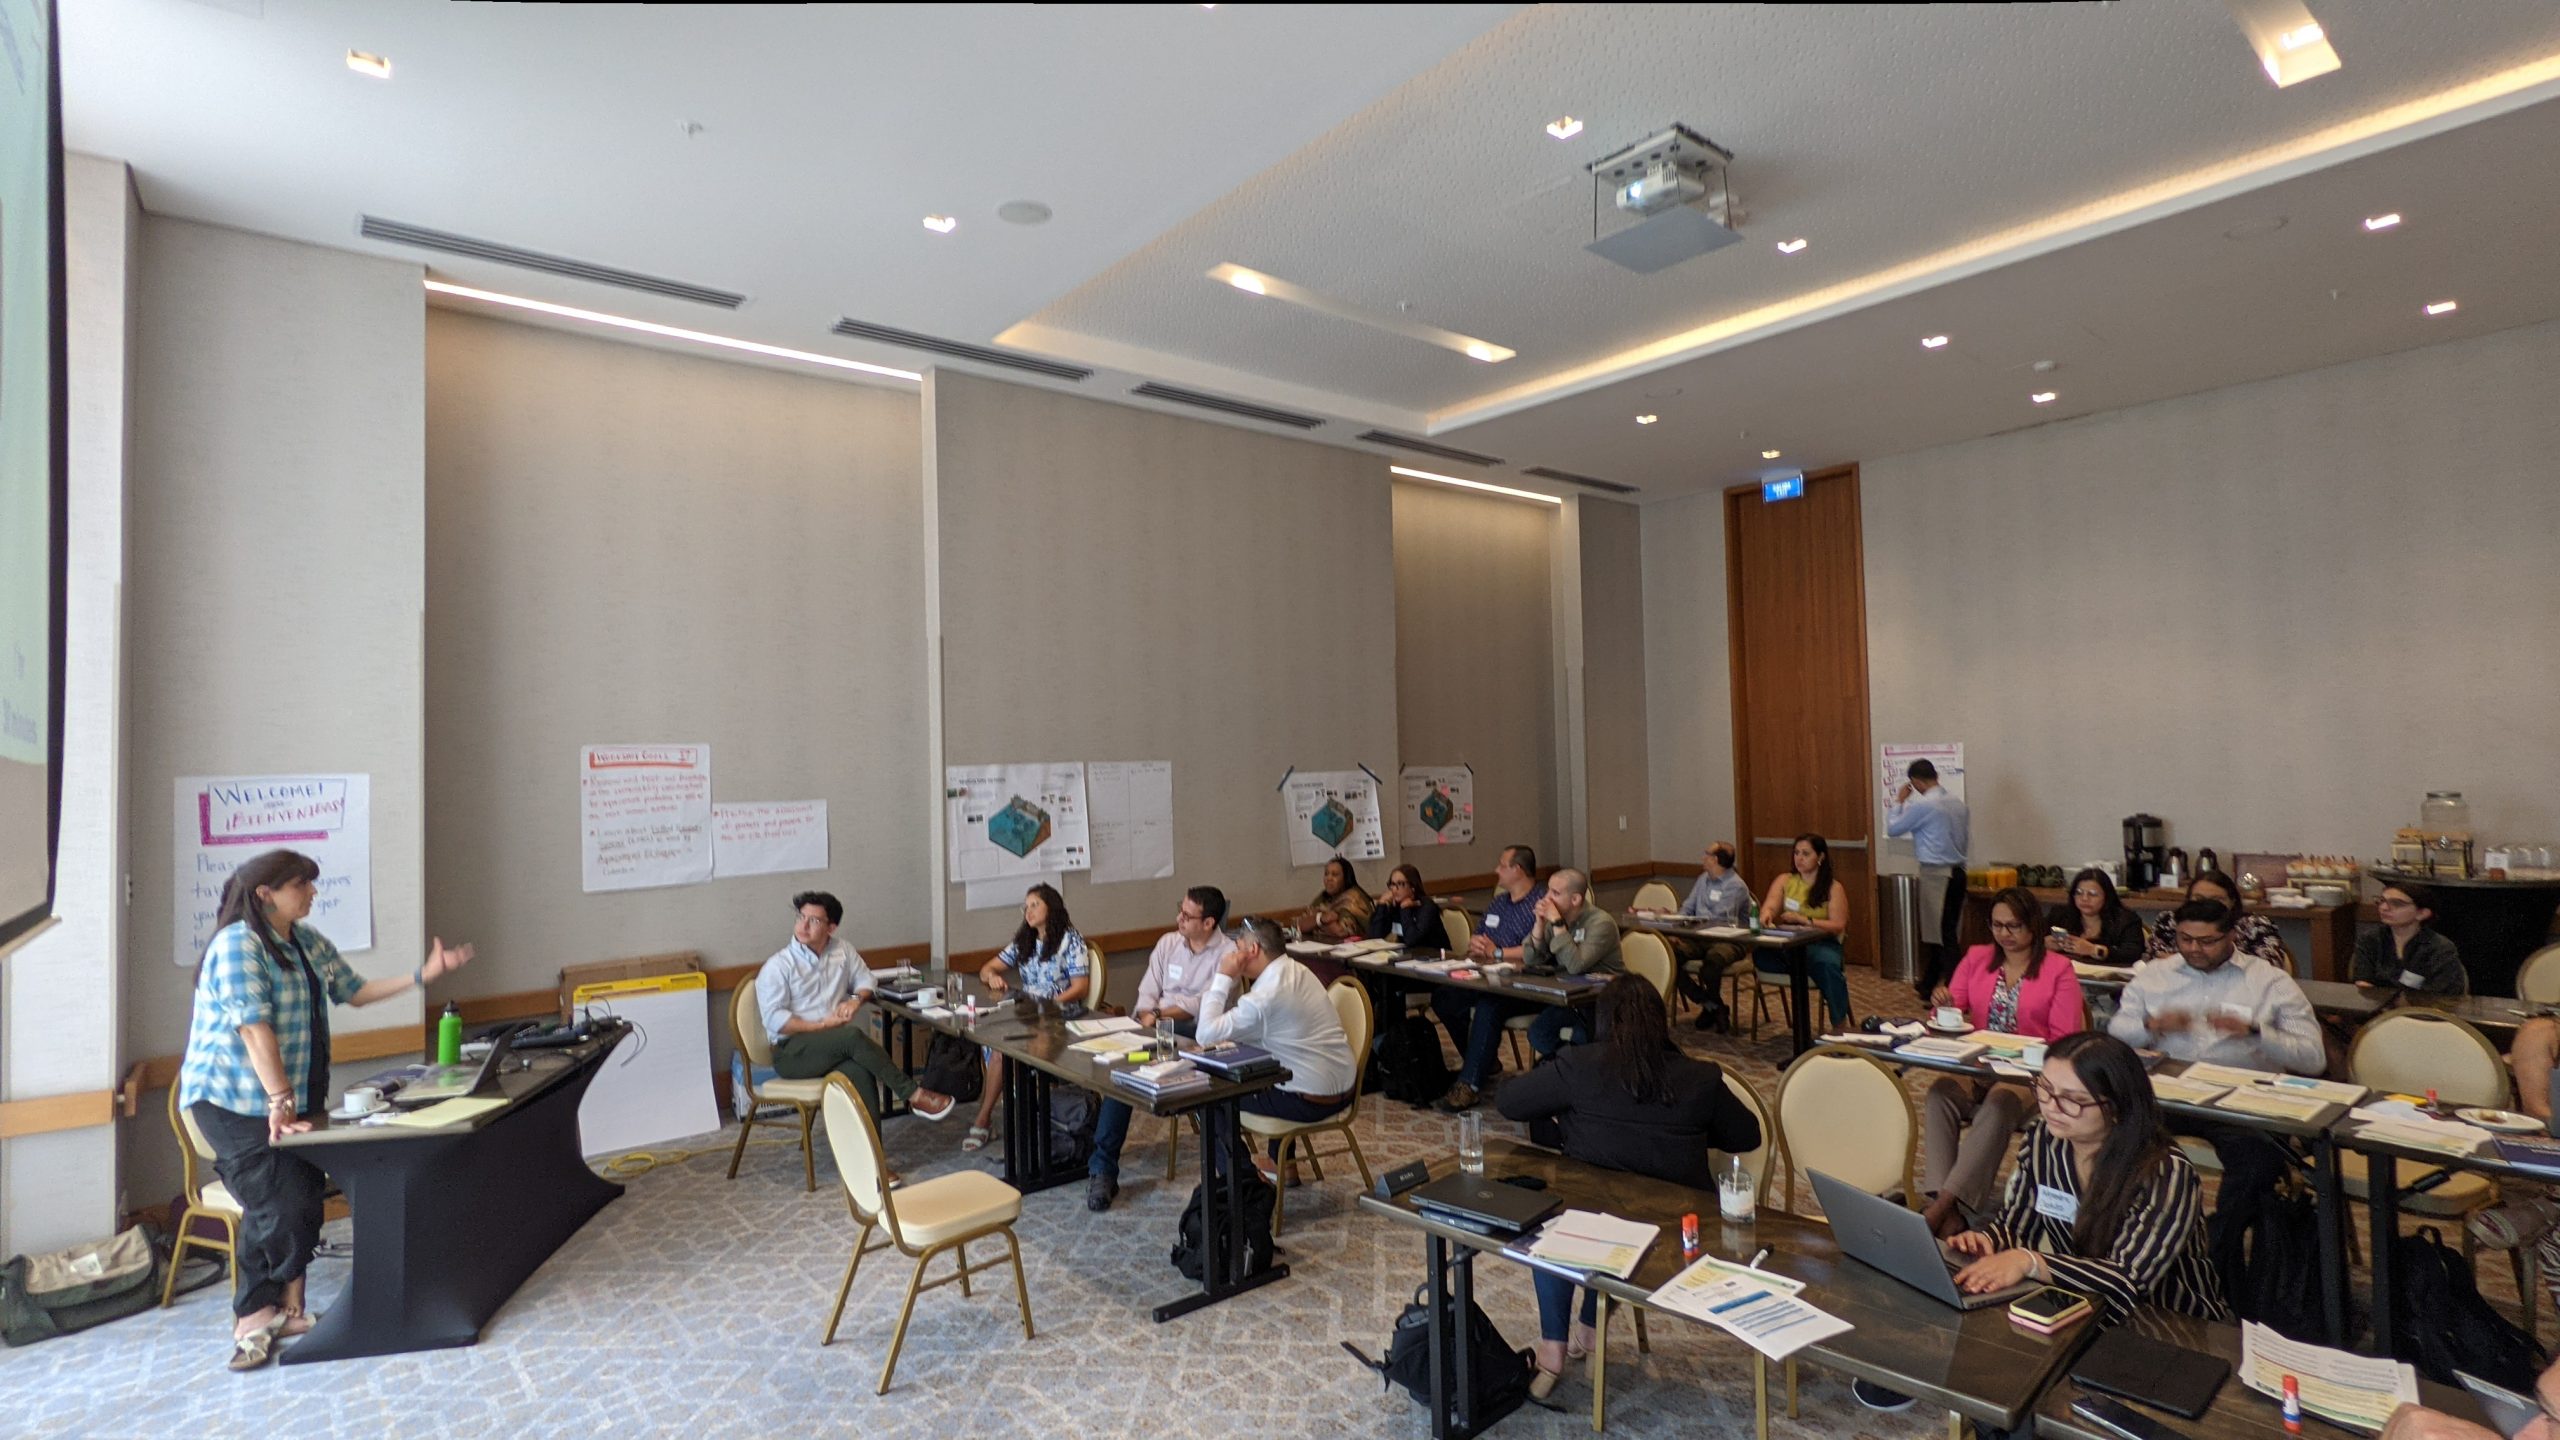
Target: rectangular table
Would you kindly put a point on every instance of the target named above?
(2237, 1412)
(1038, 1050)
(2382, 1202)
(1971, 1363)
(449, 1222)
(1791, 946)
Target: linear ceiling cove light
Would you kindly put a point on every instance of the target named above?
(366, 63)
(1473, 485)
(2441, 307)
(1256, 282)
(1564, 127)
(649, 327)
(1647, 419)
(941, 224)
(1789, 247)
(2041, 397)
(2382, 222)
(1933, 342)
(2291, 45)
(1768, 454)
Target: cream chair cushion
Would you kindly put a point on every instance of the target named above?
(1351, 1007)
(2460, 1195)
(1756, 1162)
(1454, 920)
(1647, 956)
(1654, 895)
(748, 1022)
(1847, 1116)
(792, 1092)
(932, 1211)
(216, 1196)
(2538, 979)
(2415, 1051)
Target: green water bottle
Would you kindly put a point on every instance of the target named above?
(449, 1036)
(1755, 921)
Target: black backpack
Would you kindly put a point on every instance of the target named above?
(953, 1067)
(1500, 1373)
(2440, 1324)
(1406, 1065)
(1071, 1115)
(2270, 1267)
(1189, 1255)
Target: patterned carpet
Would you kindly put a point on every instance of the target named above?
(693, 1305)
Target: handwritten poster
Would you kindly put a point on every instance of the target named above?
(768, 837)
(1132, 819)
(223, 821)
(1329, 813)
(644, 815)
(1439, 805)
(1893, 765)
(1010, 821)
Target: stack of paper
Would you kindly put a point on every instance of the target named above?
(1110, 1046)
(2185, 1089)
(1102, 1025)
(1858, 1037)
(2227, 1076)
(1590, 1240)
(2275, 1104)
(2334, 1092)
(2354, 1390)
(1761, 1310)
(2087, 971)
(2406, 1125)
(1309, 947)
(1937, 1049)
(1727, 932)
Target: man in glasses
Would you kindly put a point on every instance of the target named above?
(1178, 973)
(2215, 1004)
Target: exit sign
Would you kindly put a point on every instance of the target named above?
(1790, 488)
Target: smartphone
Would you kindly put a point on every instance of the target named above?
(2048, 1305)
(2119, 1419)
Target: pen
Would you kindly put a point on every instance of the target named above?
(1756, 1259)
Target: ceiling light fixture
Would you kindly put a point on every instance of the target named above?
(2441, 307)
(1474, 485)
(1933, 342)
(1256, 282)
(2041, 397)
(1564, 127)
(2382, 222)
(1789, 247)
(1647, 419)
(941, 224)
(366, 63)
(649, 327)
(1768, 454)
(2291, 46)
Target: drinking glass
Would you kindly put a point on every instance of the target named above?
(1735, 1195)
(1168, 1039)
(1471, 1142)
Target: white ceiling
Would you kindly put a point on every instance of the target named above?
(2039, 182)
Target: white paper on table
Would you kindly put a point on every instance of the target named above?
(2334, 1092)
(1130, 810)
(1005, 892)
(1102, 1025)
(2356, 1390)
(2260, 1100)
(222, 821)
(1761, 1310)
(2185, 1089)
(768, 837)
(2229, 1077)
(644, 816)
(1591, 1240)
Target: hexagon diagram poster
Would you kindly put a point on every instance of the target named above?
(1331, 812)
(1439, 805)
(1009, 821)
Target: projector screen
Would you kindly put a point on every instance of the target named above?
(32, 463)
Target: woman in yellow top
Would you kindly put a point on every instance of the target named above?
(1342, 911)
(1810, 898)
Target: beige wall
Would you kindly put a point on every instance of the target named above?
(1123, 585)
(2273, 614)
(1474, 662)
(630, 545)
(1688, 676)
(1616, 782)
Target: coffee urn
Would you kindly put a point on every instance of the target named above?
(2145, 851)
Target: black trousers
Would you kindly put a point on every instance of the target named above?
(279, 1194)
(2253, 1162)
(1938, 960)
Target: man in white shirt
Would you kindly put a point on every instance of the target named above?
(810, 996)
(2215, 1004)
(1287, 1013)
(1180, 969)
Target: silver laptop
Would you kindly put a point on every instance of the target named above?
(1896, 1240)
(451, 1082)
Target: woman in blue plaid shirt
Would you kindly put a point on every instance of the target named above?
(257, 1062)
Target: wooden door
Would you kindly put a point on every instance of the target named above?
(1796, 616)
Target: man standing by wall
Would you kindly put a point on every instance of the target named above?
(1939, 828)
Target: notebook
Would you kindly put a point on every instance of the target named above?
(2137, 1367)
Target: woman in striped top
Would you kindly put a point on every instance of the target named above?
(2101, 1203)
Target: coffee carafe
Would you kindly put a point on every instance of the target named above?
(2145, 851)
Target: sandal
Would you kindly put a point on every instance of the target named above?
(296, 1323)
(255, 1349)
(977, 1138)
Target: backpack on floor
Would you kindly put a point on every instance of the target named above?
(1189, 1255)
(2440, 1324)
(1500, 1373)
(1405, 1064)
(952, 1066)
(42, 1296)
(2270, 1267)
(1072, 1110)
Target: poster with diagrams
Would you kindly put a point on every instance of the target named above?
(1007, 821)
(1132, 819)
(1893, 766)
(644, 816)
(222, 821)
(1439, 805)
(1332, 812)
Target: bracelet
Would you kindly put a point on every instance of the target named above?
(418, 977)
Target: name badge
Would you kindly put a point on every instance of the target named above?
(2057, 1205)
(1794, 905)
(2412, 980)
(1396, 929)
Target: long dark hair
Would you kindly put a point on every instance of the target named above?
(270, 871)
(1350, 877)
(1412, 879)
(2220, 881)
(2137, 1143)
(1819, 895)
(1030, 944)
(2110, 914)
(2022, 902)
(1636, 1038)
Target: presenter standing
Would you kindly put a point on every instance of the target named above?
(1939, 828)
(257, 1062)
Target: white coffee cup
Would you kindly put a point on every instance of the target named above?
(930, 995)
(2033, 1056)
(1949, 1017)
(362, 1099)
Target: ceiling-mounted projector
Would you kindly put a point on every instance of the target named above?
(1677, 182)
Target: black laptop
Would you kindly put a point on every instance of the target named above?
(1484, 1205)
(2137, 1367)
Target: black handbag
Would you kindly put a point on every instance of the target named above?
(1500, 1374)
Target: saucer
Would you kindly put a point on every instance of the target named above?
(1947, 1029)
(357, 1114)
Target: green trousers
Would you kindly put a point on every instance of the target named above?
(847, 1050)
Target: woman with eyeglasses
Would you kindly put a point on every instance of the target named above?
(2011, 987)
(2404, 952)
(2251, 935)
(1341, 911)
(1808, 896)
(1407, 913)
(2097, 926)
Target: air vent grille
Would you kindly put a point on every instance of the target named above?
(374, 227)
(960, 349)
(1545, 472)
(1250, 411)
(1425, 447)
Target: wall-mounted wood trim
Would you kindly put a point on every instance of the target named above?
(1633, 870)
(161, 1071)
(56, 1112)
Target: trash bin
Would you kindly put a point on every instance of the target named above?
(1898, 927)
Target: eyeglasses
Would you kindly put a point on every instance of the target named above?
(2088, 894)
(2012, 926)
(1193, 917)
(2070, 1107)
(2394, 902)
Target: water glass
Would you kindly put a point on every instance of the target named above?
(1471, 1142)
(1168, 1039)
(1736, 1195)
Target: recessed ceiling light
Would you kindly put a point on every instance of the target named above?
(365, 63)
(2382, 222)
(1789, 247)
(1564, 127)
(1768, 454)
(1489, 354)
(651, 327)
(941, 224)
(1256, 282)
(1933, 342)
(2290, 45)
(2440, 307)
(1474, 485)
(1248, 282)
(1647, 419)
(2042, 397)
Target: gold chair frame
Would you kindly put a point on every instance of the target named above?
(746, 1030)
(192, 1153)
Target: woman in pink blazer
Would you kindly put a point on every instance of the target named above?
(2011, 986)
